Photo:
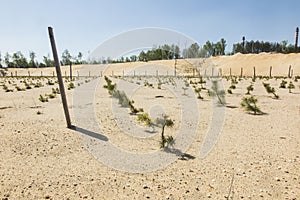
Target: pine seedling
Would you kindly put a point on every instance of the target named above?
(250, 88)
(283, 84)
(249, 104)
(216, 91)
(271, 90)
(291, 86)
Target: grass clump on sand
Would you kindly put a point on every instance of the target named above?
(270, 90)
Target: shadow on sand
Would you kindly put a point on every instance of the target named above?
(89, 133)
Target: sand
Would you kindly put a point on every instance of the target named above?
(255, 156)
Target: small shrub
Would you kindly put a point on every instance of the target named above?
(291, 86)
(20, 89)
(229, 91)
(43, 99)
(144, 117)
(249, 103)
(109, 86)
(71, 86)
(38, 112)
(250, 88)
(216, 91)
(270, 90)
(283, 84)
(163, 122)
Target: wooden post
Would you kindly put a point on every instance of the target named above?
(41, 73)
(29, 73)
(289, 74)
(16, 73)
(65, 74)
(220, 72)
(11, 74)
(241, 72)
(270, 72)
(53, 73)
(175, 70)
(292, 71)
(254, 74)
(59, 77)
(71, 71)
(230, 73)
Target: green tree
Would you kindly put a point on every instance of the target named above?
(47, 61)
(66, 57)
(32, 56)
(19, 60)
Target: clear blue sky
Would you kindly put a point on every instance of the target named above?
(83, 25)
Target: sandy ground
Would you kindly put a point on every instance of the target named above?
(255, 157)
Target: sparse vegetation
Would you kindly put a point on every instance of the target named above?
(71, 86)
(43, 99)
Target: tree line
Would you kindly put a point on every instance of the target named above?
(18, 60)
(256, 47)
(164, 52)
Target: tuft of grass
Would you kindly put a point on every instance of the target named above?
(39, 112)
(216, 91)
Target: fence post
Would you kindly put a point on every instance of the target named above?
(289, 74)
(270, 72)
(59, 77)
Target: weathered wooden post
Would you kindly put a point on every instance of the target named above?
(230, 73)
(71, 71)
(289, 74)
(59, 77)
(241, 73)
(11, 74)
(270, 75)
(41, 73)
(53, 73)
(16, 73)
(254, 74)
(65, 74)
(292, 71)
(29, 73)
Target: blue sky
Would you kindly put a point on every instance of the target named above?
(83, 25)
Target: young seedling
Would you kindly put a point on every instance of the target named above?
(229, 91)
(249, 103)
(43, 99)
(197, 91)
(250, 88)
(38, 112)
(109, 86)
(163, 122)
(271, 90)
(283, 84)
(144, 117)
(71, 86)
(291, 86)
(216, 91)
